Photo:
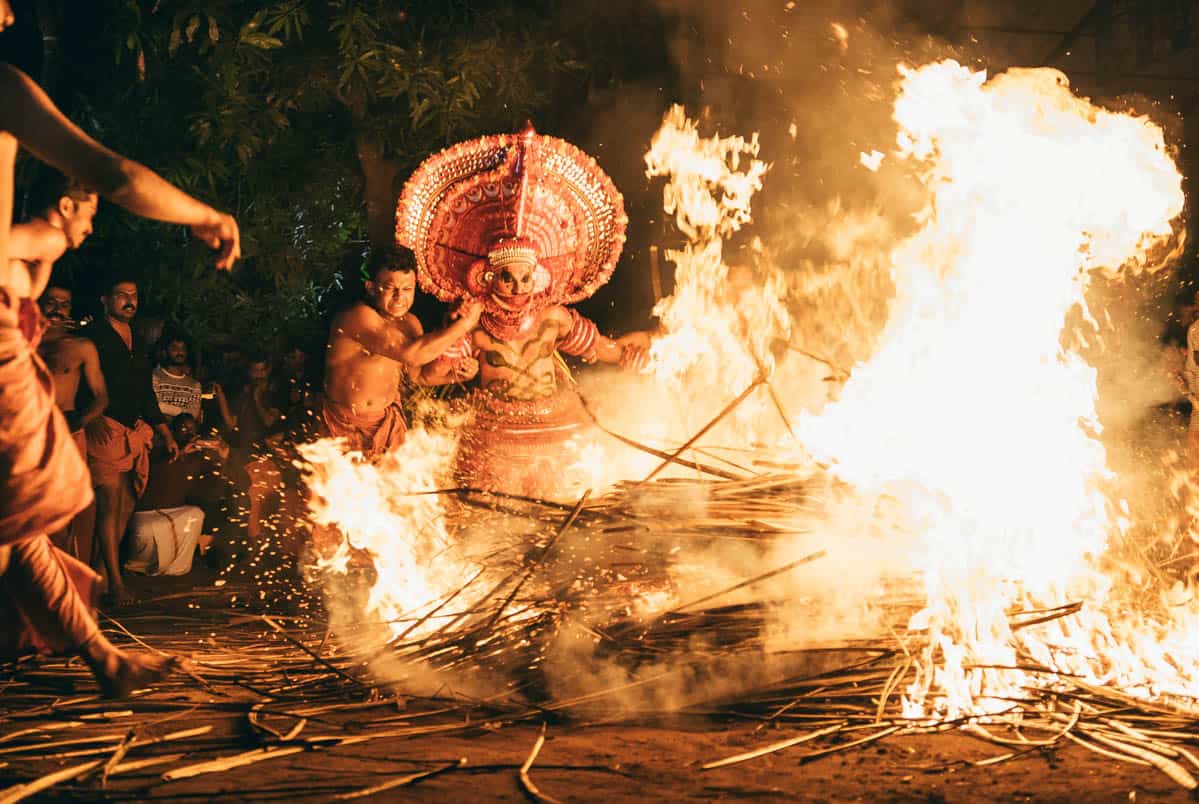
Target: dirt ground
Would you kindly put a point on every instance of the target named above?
(578, 762)
(642, 763)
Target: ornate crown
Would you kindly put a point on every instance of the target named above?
(473, 198)
(510, 250)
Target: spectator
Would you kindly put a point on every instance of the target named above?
(175, 388)
(118, 443)
(70, 359)
(257, 407)
(168, 524)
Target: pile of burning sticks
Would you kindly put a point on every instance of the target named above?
(295, 686)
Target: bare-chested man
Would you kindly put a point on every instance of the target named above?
(371, 346)
(71, 359)
(46, 481)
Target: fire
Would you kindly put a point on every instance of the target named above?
(971, 413)
(972, 423)
(384, 511)
(719, 323)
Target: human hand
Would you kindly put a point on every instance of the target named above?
(634, 351)
(634, 358)
(221, 233)
(468, 311)
(100, 431)
(172, 447)
(465, 369)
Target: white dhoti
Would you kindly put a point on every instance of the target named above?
(163, 541)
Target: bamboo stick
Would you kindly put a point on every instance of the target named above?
(522, 776)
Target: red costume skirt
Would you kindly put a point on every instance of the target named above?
(521, 446)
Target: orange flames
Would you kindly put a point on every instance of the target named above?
(384, 512)
(971, 413)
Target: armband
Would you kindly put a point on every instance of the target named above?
(581, 339)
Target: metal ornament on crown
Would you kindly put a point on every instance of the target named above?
(483, 204)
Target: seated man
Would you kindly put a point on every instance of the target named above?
(166, 527)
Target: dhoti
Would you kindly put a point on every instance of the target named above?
(77, 538)
(521, 447)
(371, 434)
(44, 483)
(127, 450)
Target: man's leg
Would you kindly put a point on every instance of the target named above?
(264, 483)
(49, 601)
(111, 520)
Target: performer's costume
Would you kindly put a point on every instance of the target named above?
(43, 484)
(477, 206)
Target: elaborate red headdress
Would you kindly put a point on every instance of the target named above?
(508, 196)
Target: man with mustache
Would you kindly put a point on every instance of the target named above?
(177, 390)
(71, 359)
(118, 443)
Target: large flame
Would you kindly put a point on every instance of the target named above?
(972, 413)
(383, 511)
(719, 324)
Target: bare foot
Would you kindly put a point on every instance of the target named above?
(120, 672)
(118, 597)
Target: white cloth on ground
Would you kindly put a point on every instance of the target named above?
(163, 541)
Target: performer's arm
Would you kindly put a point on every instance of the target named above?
(95, 382)
(583, 339)
(393, 342)
(28, 114)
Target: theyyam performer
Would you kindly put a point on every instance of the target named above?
(527, 224)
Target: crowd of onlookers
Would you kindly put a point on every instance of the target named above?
(189, 452)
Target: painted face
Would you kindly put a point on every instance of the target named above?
(77, 218)
(391, 292)
(514, 279)
(121, 304)
(56, 305)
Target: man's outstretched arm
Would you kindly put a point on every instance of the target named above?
(392, 342)
(28, 114)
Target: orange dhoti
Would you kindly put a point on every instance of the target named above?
(127, 450)
(44, 484)
(371, 434)
(523, 447)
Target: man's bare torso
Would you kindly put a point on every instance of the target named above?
(523, 368)
(356, 376)
(64, 356)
